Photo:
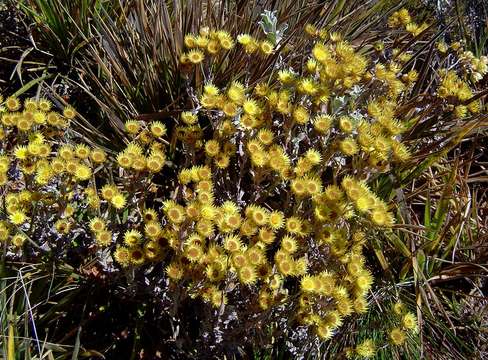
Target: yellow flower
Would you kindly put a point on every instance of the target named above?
(321, 53)
(3, 178)
(62, 226)
(17, 218)
(193, 253)
(366, 349)
(289, 244)
(29, 104)
(324, 332)
(174, 271)
(132, 238)
(348, 147)
(247, 275)
(364, 280)
(346, 124)
(333, 319)
(12, 103)
(225, 41)
(118, 201)
(44, 105)
(124, 160)
(137, 257)
(286, 266)
(250, 107)
(409, 321)
(83, 172)
(212, 148)
(189, 118)
(104, 237)
(4, 231)
(294, 225)
(82, 151)
(397, 336)
(190, 41)
(276, 220)
(174, 212)
(232, 243)
(258, 214)
(158, 129)
(66, 152)
(244, 39)
(255, 255)
(39, 117)
(108, 191)
(97, 224)
(265, 136)
(155, 163)
(18, 240)
(307, 284)
(195, 56)
(69, 112)
(24, 124)
(132, 127)
(21, 152)
(71, 166)
(286, 77)
(236, 92)
(98, 156)
(266, 47)
(307, 86)
(122, 256)
(301, 115)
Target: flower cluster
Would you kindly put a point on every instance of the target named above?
(210, 42)
(34, 157)
(407, 322)
(270, 205)
(295, 223)
(402, 18)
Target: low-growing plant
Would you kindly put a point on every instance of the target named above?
(255, 202)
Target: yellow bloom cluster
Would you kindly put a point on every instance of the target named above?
(34, 157)
(260, 245)
(271, 196)
(402, 18)
(456, 92)
(407, 322)
(476, 67)
(211, 42)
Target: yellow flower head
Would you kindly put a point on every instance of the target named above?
(122, 256)
(69, 112)
(247, 275)
(118, 201)
(266, 47)
(132, 238)
(195, 56)
(103, 238)
(98, 156)
(397, 336)
(158, 129)
(17, 218)
(83, 172)
(18, 240)
(109, 191)
(97, 224)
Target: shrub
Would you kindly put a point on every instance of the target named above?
(257, 203)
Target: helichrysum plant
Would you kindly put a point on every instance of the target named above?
(270, 210)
